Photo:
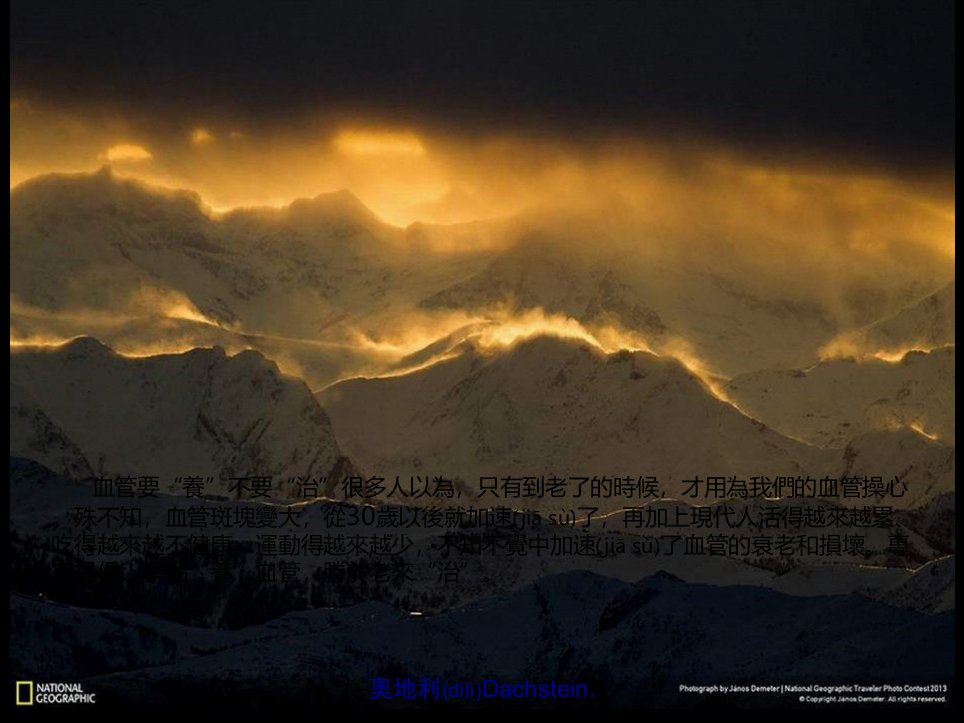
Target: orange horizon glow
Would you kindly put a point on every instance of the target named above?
(407, 175)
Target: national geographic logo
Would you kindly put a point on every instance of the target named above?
(29, 693)
(24, 695)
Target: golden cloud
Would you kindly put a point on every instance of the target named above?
(201, 136)
(127, 152)
(374, 142)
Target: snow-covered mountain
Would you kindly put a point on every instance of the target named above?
(90, 229)
(325, 291)
(628, 642)
(677, 305)
(93, 254)
(551, 405)
(930, 589)
(303, 283)
(836, 400)
(317, 362)
(923, 325)
(936, 520)
(44, 503)
(926, 324)
(202, 413)
(543, 273)
(925, 466)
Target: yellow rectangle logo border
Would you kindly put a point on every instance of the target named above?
(21, 684)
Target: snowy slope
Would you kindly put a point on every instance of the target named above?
(930, 589)
(552, 405)
(43, 504)
(628, 642)
(92, 228)
(925, 466)
(87, 230)
(34, 435)
(936, 520)
(90, 641)
(94, 251)
(199, 413)
(926, 324)
(726, 325)
(839, 399)
(318, 362)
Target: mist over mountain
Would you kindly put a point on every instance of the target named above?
(838, 399)
(924, 324)
(315, 340)
(327, 289)
(120, 245)
(675, 305)
(380, 355)
(330, 292)
(551, 405)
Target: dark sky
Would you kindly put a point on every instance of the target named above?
(870, 77)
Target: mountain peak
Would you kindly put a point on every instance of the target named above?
(550, 343)
(103, 192)
(224, 416)
(343, 205)
(84, 347)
